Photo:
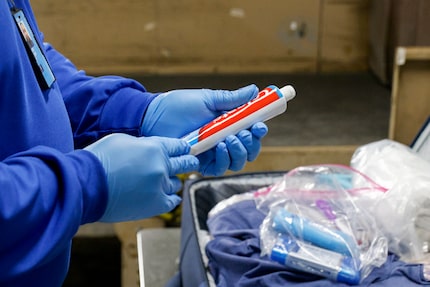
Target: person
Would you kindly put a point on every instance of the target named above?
(77, 149)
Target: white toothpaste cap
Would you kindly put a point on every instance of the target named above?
(288, 92)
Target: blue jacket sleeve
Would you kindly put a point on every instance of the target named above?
(98, 105)
(51, 194)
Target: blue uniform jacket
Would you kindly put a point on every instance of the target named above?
(48, 187)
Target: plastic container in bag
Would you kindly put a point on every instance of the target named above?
(317, 222)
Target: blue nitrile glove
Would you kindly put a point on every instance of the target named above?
(179, 112)
(141, 174)
(233, 152)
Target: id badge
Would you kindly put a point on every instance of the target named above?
(41, 67)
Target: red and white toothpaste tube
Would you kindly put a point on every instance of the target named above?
(269, 103)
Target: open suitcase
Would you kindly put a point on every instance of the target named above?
(199, 197)
(202, 194)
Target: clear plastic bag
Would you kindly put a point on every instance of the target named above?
(403, 213)
(317, 222)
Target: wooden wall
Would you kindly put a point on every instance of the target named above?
(395, 23)
(410, 99)
(224, 36)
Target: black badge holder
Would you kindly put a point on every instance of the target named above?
(40, 65)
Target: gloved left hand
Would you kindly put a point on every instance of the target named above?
(141, 174)
(179, 112)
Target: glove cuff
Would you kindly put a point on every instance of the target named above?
(94, 185)
(124, 111)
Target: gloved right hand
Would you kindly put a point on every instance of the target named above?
(141, 174)
(179, 112)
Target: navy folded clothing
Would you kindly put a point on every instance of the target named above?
(234, 257)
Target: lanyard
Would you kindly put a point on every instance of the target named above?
(12, 4)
